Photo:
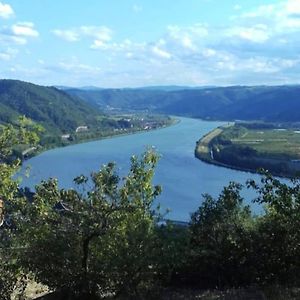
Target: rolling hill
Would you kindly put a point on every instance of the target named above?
(265, 103)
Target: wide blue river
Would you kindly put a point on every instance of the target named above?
(183, 177)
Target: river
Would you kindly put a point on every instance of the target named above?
(183, 177)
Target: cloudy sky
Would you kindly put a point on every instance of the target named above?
(129, 43)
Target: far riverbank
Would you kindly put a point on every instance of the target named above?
(210, 149)
(39, 150)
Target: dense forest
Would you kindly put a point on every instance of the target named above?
(268, 103)
(64, 118)
(55, 110)
(105, 239)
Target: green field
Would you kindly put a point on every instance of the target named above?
(252, 146)
(271, 142)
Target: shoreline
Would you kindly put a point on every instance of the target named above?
(176, 120)
(245, 170)
(206, 156)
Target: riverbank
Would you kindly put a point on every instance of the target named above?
(39, 150)
(251, 150)
(177, 172)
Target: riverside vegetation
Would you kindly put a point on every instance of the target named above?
(104, 239)
(251, 146)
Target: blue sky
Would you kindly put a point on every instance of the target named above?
(130, 43)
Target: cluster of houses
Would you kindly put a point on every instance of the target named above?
(143, 124)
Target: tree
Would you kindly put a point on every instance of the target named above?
(277, 240)
(24, 132)
(98, 238)
(220, 239)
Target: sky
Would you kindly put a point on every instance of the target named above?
(133, 43)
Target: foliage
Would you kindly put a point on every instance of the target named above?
(277, 240)
(10, 136)
(103, 237)
(230, 247)
(220, 238)
(98, 240)
(55, 110)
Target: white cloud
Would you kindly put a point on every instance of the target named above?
(102, 33)
(160, 52)
(282, 15)
(187, 43)
(6, 11)
(99, 45)
(18, 33)
(188, 36)
(261, 45)
(98, 33)
(257, 34)
(293, 7)
(25, 29)
(67, 35)
(123, 47)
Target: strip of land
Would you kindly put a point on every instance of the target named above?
(252, 146)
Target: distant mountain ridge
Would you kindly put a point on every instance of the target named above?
(265, 103)
(56, 110)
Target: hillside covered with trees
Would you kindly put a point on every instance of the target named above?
(66, 118)
(267, 103)
(52, 108)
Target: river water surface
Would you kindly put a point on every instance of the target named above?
(183, 177)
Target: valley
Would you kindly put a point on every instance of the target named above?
(66, 119)
(259, 103)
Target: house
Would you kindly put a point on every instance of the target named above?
(81, 129)
(28, 151)
(65, 136)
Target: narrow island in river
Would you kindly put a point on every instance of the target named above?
(253, 146)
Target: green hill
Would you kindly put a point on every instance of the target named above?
(66, 118)
(56, 110)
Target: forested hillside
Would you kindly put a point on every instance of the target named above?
(56, 110)
(268, 103)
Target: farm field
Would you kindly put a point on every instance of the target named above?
(271, 142)
(253, 146)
